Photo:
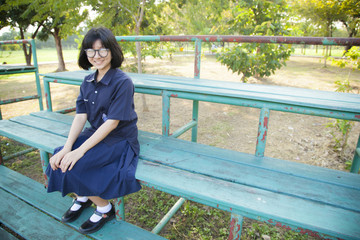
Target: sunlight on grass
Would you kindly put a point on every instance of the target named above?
(43, 55)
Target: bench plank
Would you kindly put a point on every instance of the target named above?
(6, 235)
(52, 203)
(63, 118)
(43, 124)
(31, 136)
(28, 223)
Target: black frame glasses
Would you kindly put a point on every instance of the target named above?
(103, 52)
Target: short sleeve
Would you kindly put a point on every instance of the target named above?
(80, 104)
(122, 102)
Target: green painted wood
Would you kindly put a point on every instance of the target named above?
(276, 165)
(6, 235)
(31, 136)
(63, 118)
(53, 204)
(46, 125)
(251, 202)
(285, 95)
(29, 223)
(56, 117)
(50, 125)
(13, 69)
(181, 154)
(220, 173)
(168, 153)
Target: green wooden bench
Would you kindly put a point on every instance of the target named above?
(316, 201)
(287, 194)
(309, 199)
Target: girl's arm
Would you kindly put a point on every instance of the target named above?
(76, 128)
(72, 157)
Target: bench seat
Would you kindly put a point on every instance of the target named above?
(10, 69)
(287, 99)
(22, 198)
(288, 194)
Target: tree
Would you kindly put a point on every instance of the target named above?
(129, 17)
(198, 17)
(322, 12)
(60, 19)
(11, 14)
(350, 17)
(257, 18)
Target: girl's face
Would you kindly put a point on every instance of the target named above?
(101, 63)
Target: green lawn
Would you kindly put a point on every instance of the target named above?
(43, 55)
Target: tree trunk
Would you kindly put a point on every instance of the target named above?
(61, 63)
(26, 54)
(138, 51)
(326, 56)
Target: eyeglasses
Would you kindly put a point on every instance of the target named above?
(103, 52)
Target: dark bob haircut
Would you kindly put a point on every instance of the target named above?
(108, 40)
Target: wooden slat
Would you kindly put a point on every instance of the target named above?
(56, 117)
(6, 235)
(29, 223)
(63, 118)
(53, 204)
(31, 136)
(43, 124)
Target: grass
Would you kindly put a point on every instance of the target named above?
(43, 55)
(319, 52)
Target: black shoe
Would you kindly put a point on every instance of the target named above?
(71, 216)
(91, 227)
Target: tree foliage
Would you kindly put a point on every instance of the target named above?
(11, 14)
(325, 13)
(60, 19)
(257, 18)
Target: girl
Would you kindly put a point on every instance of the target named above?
(98, 163)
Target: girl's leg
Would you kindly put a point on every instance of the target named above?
(99, 201)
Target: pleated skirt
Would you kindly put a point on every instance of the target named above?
(106, 171)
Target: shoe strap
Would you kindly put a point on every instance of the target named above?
(78, 202)
(99, 213)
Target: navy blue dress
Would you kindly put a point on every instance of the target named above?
(108, 169)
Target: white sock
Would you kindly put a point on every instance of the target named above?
(105, 209)
(82, 199)
(76, 206)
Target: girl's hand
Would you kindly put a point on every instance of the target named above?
(56, 159)
(70, 159)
